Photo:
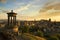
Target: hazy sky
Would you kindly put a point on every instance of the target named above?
(31, 9)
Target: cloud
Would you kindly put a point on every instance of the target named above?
(51, 8)
(3, 16)
(23, 8)
(3, 1)
(4, 10)
(51, 5)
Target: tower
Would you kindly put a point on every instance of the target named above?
(49, 19)
(11, 18)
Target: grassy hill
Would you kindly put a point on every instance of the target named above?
(27, 36)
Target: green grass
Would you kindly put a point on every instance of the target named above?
(27, 36)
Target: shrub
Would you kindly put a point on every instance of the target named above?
(39, 33)
(53, 38)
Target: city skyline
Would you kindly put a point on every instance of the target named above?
(31, 9)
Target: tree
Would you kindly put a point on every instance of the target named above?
(39, 33)
(24, 29)
(33, 29)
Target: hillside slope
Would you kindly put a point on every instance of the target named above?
(27, 36)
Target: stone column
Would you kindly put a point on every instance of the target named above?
(8, 20)
(14, 19)
(11, 19)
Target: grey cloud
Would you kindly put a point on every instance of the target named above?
(51, 5)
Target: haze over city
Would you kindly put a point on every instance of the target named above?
(31, 9)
